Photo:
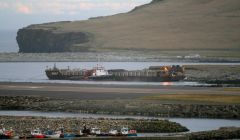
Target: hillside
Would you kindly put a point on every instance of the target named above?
(161, 25)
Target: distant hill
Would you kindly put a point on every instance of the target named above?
(159, 25)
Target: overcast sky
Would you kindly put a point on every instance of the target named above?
(15, 14)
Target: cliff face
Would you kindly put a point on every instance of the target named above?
(159, 25)
(39, 40)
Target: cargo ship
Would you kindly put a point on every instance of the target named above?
(99, 73)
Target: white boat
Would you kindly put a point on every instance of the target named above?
(124, 130)
(37, 133)
(113, 132)
(95, 131)
(5, 134)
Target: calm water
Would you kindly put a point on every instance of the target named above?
(193, 125)
(35, 71)
(8, 41)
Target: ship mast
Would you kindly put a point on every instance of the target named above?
(98, 61)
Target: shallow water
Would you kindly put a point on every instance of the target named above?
(194, 125)
(35, 71)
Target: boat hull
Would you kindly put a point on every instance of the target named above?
(116, 78)
(147, 75)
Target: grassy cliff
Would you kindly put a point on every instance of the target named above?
(162, 25)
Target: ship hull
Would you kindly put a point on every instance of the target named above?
(56, 75)
(59, 76)
(147, 79)
(153, 74)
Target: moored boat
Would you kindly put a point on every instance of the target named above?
(37, 133)
(113, 132)
(6, 134)
(95, 131)
(126, 132)
(53, 134)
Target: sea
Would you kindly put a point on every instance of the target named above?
(8, 41)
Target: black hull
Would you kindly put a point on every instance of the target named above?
(114, 78)
(147, 79)
(56, 75)
(153, 74)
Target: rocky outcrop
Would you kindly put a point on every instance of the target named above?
(40, 40)
(23, 125)
(141, 108)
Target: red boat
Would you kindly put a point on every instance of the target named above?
(6, 134)
(37, 133)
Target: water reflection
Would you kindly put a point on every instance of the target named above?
(167, 83)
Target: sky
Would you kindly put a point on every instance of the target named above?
(16, 14)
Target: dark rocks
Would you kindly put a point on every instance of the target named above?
(32, 40)
(20, 102)
(121, 107)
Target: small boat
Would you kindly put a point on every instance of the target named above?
(126, 132)
(68, 135)
(6, 134)
(37, 133)
(113, 132)
(132, 133)
(52, 134)
(64, 134)
(95, 131)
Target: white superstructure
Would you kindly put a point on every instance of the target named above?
(99, 71)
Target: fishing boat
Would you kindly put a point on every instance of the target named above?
(95, 131)
(6, 134)
(37, 133)
(53, 134)
(132, 133)
(113, 132)
(126, 132)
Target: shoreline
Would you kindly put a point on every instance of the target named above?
(158, 101)
(23, 124)
(146, 129)
(83, 115)
(200, 56)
